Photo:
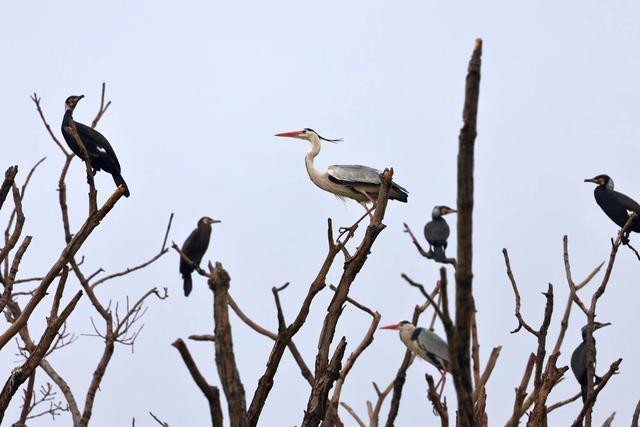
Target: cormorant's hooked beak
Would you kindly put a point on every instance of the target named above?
(209, 221)
(80, 97)
(449, 210)
(598, 325)
(395, 327)
(595, 181)
(294, 134)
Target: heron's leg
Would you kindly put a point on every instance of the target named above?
(344, 230)
(443, 379)
(364, 204)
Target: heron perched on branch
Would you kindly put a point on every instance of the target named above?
(579, 359)
(615, 204)
(436, 232)
(194, 248)
(360, 183)
(101, 154)
(425, 344)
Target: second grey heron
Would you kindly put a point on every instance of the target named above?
(425, 344)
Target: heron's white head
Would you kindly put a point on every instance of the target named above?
(404, 327)
(307, 134)
(439, 211)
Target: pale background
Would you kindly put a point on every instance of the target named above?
(198, 90)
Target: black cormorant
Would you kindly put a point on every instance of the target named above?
(579, 359)
(436, 232)
(194, 248)
(100, 152)
(616, 205)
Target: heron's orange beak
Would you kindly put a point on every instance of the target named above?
(294, 134)
(390, 327)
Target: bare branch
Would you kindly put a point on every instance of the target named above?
(351, 412)
(26, 406)
(304, 369)
(102, 109)
(163, 250)
(439, 407)
(521, 393)
(67, 253)
(210, 392)
(20, 374)
(459, 346)
(521, 321)
(266, 381)
(36, 100)
(351, 360)
(591, 399)
(563, 402)
(225, 358)
(491, 363)
(636, 415)
(205, 337)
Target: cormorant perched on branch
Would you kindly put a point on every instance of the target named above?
(437, 232)
(616, 205)
(100, 152)
(579, 359)
(194, 248)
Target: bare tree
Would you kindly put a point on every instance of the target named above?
(119, 322)
(122, 321)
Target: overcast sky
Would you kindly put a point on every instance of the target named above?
(198, 90)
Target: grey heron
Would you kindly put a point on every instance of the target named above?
(425, 344)
(360, 183)
(194, 248)
(616, 205)
(436, 232)
(579, 359)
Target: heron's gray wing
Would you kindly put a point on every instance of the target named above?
(353, 174)
(626, 201)
(432, 343)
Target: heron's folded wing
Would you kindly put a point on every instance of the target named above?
(432, 343)
(353, 174)
(626, 201)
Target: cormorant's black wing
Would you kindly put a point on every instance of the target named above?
(437, 232)
(96, 144)
(626, 201)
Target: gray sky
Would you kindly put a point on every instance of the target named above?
(199, 89)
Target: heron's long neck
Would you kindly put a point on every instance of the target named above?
(314, 173)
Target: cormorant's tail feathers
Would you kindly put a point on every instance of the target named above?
(119, 180)
(188, 284)
(439, 254)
